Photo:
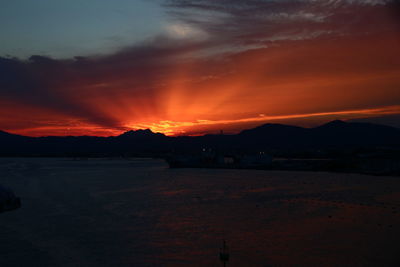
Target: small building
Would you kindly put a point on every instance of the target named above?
(227, 160)
(259, 159)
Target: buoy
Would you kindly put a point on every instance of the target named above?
(224, 254)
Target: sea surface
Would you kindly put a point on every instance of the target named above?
(138, 212)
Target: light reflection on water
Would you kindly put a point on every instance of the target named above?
(140, 213)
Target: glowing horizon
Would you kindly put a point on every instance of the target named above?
(176, 128)
(214, 66)
(167, 127)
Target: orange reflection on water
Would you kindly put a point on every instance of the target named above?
(276, 218)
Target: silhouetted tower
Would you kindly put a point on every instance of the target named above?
(224, 254)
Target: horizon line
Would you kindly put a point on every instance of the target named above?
(198, 135)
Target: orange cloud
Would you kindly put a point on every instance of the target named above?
(302, 63)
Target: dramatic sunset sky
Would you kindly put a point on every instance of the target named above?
(100, 67)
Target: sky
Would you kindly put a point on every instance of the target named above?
(190, 67)
(64, 29)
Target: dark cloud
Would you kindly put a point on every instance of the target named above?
(44, 82)
(66, 86)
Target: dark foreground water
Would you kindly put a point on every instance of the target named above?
(102, 212)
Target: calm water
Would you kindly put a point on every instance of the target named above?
(101, 212)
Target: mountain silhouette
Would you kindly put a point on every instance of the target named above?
(342, 133)
(141, 134)
(333, 135)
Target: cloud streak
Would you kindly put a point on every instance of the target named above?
(219, 62)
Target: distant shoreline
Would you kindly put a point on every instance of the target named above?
(382, 167)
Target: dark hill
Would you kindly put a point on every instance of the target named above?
(141, 134)
(339, 133)
(273, 135)
(333, 135)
